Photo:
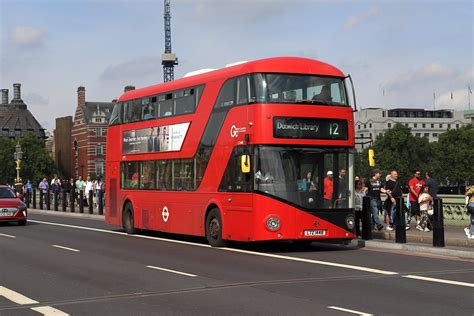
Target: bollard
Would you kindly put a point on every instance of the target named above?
(81, 201)
(56, 202)
(34, 197)
(400, 223)
(27, 199)
(41, 199)
(438, 223)
(48, 199)
(91, 202)
(366, 219)
(72, 197)
(100, 201)
(64, 201)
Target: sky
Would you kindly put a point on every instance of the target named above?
(411, 54)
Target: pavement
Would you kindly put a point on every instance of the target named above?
(456, 242)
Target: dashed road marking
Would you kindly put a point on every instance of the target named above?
(9, 236)
(49, 311)
(172, 271)
(66, 248)
(21, 299)
(349, 311)
(422, 278)
(318, 262)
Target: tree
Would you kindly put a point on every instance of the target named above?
(37, 163)
(7, 167)
(397, 149)
(454, 156)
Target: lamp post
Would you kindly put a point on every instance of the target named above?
(76, 156)
(18, 156)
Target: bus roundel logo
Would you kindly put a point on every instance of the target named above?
(165, 214)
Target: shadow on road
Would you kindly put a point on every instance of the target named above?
(279, 246)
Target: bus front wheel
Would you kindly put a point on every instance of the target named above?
(128, 222)
(214, 229)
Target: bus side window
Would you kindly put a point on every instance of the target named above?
(242, 90)
(166, 104)
(227, 94)
(184, 101)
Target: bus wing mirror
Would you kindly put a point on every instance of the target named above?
(245, 163)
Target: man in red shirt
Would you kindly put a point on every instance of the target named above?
(414, 186)
(328, 188)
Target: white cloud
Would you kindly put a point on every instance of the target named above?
(27, 35)
(459, 100)
(430, 73)
(134, 69)
(467, 76)
(35, 99)
(355, 20)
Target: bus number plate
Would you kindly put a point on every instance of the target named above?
(315, 232)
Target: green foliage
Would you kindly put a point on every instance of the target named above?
(454, 155)
(36, 162)
(451, 159)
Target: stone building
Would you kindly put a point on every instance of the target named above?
(15, 118)
(89, 129)
(370, 122)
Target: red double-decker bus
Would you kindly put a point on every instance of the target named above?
(261, 150)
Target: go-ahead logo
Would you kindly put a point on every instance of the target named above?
(235, 131)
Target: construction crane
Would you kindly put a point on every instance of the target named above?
(168, 59)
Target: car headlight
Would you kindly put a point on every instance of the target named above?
(273, 223)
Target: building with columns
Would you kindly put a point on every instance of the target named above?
(89, 129)
(15, 118)
(371, 122)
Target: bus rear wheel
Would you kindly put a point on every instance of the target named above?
(214, 229)
(128, 222)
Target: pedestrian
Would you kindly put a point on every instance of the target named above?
(393, 189)
(67, 189)
(414, 186)
(358, 201)
(374, 188)
(432, 184)
(88, 190)
(469, 230)
(79, 187)
(424, 201)
(100, 191)
(18, 188)
(44, 186)
(56, 187)
(28, 189)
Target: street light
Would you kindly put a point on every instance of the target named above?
(18, 156)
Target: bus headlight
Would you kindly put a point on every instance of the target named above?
(273, 223)
(350, 222)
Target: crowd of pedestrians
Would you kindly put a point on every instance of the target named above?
(56, 187)
(419, 201)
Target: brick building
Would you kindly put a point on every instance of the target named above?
(89, 129)
(63, 146)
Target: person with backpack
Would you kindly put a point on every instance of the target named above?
(469, 230)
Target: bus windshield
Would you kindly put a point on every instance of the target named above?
(306, 89)
(310, 178)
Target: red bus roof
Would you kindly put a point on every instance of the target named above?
(275, 64)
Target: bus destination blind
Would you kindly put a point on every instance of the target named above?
(309, 128)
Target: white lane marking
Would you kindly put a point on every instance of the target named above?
(324, 263)
(422, 278)
(332, 264)
(48, 310)
(172, 271)
(9, 236)
(15, 297)
(66, 248)
(349, 311)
